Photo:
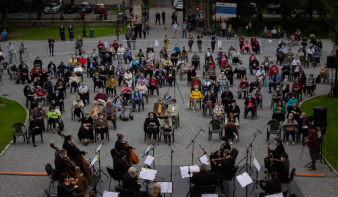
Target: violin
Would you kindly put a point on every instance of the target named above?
(262, 180)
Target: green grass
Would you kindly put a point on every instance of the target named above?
(330, 143)
(43, 33)
(10, 112)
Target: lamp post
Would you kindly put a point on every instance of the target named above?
(84, 24)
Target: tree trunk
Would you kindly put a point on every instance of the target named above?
(4, 13)
(40, 9)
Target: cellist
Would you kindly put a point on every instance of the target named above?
(61, 165)
(73, 151)
(120, 144)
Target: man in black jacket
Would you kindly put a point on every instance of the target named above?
(120, 165)
(163, 17)
(61, 164)
(129, 182)
(219, 152)
(200, 179)
(276, 154)
(72, 151)
(226, 166)
(158, 18)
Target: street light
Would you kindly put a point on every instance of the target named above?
(84, 24)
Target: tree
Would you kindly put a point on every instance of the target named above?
(5, 5)
(39, 4)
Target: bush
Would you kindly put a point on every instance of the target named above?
(311, 29)
(7, 27)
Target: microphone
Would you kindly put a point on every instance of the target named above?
(202, 129)
(259, 131)
(172, 150)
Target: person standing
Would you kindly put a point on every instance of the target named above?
(22, 49)
(166, 41)
(71, 33)
(10, 48)
(144, 31)
(147, 26)
(62, 33)
(249, 28)
(117, 33)
(224, 27)
(79, 44)
(184, 30)
(213, 40)
(163, 17)
(191, 41)
(158, 18)
(199, 42)
(174, 30)
(51, 45)
(312, 143)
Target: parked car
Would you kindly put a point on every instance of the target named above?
(86, 7)
(179, 5)
(273, 9)
(174, 3)
(52, 8)
(71, 8)
(100, 8)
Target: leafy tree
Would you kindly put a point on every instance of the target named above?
(5, 5)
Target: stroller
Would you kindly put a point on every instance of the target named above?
(121, 107)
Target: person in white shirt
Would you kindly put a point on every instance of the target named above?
(128, 78)
(222, 81)
(224, 27)
(120, 52)
(295, 61)
(260, 74)
(174, 30)
(83, 92)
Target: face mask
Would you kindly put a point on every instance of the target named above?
(136, 90)
(228, 68)
(99, 92)
(101, 117)
(24, 67)
(87, 116)
(170, 68)
(196, 89)
(39, 106)
(249, 97)
(78, 99)
(49, 80)
(83, 86)
(151, 116)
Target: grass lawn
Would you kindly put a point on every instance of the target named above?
(10, 112)
(330, 144)
(43, 33)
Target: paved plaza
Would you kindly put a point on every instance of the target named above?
(25, 158)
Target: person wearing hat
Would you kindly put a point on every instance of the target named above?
(274, 154)
(250, 105)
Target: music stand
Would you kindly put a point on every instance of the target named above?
(166, 187)
(97, 152)
(186, 171)
(147, 175)
(244, 180)
(258, 169)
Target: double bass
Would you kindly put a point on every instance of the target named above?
(84, 163)
(82, 181)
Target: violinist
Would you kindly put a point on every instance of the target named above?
(65, 187)
(218, 153)
(61, 165)
(227, 165)
(129, 182)
(275, 154)
(73, 151)
(283, 166)
(200, 179)
(272, 186)
(120, 164)
(120, 144)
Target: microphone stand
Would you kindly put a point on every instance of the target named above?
(249, 150)
(193, 146)
(171, 166)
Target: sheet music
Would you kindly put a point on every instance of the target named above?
(149, 160)
(258, 167)
(219, 43)
(185, 170)
(156, 43)
(209, 195)
(244, 179)
(110, 194)
(204, 159)
(98, 149)
(147, 174)
(94, 161)
(166, 187)
(145, 152)
(276, 195)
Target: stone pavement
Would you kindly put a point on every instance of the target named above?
(25, 158)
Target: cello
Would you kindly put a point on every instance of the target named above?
(84, 163)
(82, 181)
(130, 153)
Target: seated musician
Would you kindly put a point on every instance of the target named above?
(219, 152)
(272, 186)
(120, 144)
(120, 164)
(73, 152)
(283, 166)
(65, 188)
(129, 182)
(227, 164)
(61, 164)
(200, 179)
(275, 154)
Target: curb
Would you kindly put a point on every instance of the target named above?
(328, 163)
(11, 142)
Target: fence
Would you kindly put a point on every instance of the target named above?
(66, 48)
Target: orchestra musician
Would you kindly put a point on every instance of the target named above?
(73, 151)
(120, 144)
(200, 179)
(227, 164)
(65, 187)
(283, 167)
(276, 154)
(220, 152)
(120, 164)
(61, 165)
(272, 186)
(129, 182)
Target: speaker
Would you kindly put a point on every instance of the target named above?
(331, 61)
(319, 116)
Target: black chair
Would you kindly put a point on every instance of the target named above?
(209, 189)
(113, 153)
(106, 132)
(50, 173)
(232, 175)
(114, 176)
(123, 192)
(18, 129)
(290, 179)
(234, 153)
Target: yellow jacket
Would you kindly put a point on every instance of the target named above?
(111, 83)
(196, 94)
